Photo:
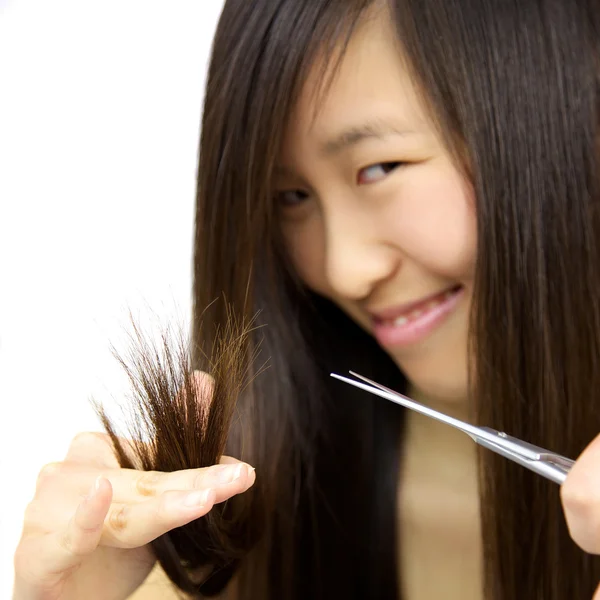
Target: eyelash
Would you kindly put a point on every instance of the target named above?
(301, 195)
(388, 167)
(280, 197)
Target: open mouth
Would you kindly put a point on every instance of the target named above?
(415, 321)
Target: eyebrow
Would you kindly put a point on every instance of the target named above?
(359, 133)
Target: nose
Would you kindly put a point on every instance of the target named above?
(357, 255)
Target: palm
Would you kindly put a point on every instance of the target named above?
(109, 574)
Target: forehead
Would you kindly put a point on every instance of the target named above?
(370, 84)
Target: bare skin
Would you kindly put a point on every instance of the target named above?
(86, 531)
(386, 221)
(368, 227)
(438, 515)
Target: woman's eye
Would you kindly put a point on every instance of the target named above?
(291, 197)
(376, 172)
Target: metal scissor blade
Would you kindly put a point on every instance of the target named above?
(491, 436)
(543, 462)
(552, 458)
(550, 465)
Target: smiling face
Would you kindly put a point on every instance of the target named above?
(377, 218)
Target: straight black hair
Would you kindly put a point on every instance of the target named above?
(513, 88)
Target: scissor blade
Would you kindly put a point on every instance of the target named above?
(476, 433)
(551, 466)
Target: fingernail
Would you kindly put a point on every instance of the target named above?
(199, 498)
(229, 473)
(238, 472)
(95, 487)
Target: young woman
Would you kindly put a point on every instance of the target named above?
(409, 190)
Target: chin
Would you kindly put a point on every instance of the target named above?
(437, 381)
(442, 392)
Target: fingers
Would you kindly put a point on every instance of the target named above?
(134, 525)
(66, 549)
(580, 496)
(94, 449)
(62, 485)
(131, 487)
(205, 385)
(97, 521)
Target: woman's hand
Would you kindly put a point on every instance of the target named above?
(580, 495)
(86, 531)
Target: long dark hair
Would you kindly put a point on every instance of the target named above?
(513, 88)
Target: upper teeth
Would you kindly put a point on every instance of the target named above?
(417, 312)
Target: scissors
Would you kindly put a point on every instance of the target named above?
(548, 464)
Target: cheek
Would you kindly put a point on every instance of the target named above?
(431, 221)
(434, 223)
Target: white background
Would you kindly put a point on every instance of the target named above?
(100, 106)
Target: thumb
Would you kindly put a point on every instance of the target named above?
(204, 386)
(66, 549)
(201, 391)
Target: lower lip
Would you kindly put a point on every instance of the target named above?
(415, 330)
